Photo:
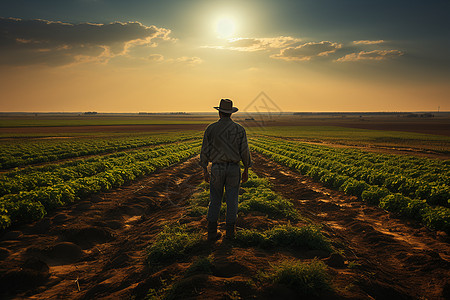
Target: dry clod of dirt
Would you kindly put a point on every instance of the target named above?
(64, 253)
(12, 235)
(317, 254)
(42, 226)
(87, 237)
(335, 261)
(33, 272)
(4, 253)
(280, 291)
(83, 206)
(59, 218)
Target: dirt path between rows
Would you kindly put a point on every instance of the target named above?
(398, 258)
(97, 244)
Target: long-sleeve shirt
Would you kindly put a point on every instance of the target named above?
(225, 141)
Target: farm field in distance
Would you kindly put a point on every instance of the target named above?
(338, 206)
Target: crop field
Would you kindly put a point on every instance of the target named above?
(117, 208)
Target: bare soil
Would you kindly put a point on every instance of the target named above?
(96, 248)
(438, 126)
(51, 130)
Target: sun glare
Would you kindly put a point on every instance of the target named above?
(225, 27)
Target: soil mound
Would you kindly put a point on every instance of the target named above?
(12, 235)
(87, 237)
(31, 274)
(65, 252)
(59, 218)
(4, 253)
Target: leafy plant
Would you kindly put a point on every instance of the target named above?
(308, 279)
(172, 242)
(308, 236)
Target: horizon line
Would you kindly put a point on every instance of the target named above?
(215, 112)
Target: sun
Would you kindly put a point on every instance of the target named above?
(225, 27)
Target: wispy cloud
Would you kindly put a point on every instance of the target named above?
(371, 55)
(155, 57)
(187, 60)
(368, 42)
(308, 50)
(26, 42)
(257, 44)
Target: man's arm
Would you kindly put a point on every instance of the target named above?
(245, 175)
(245, 156)
(204, 158)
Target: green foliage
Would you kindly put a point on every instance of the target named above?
(197, 211)
(394, 202)
(251, 237)
(5, 220)
(201, 198)
(255, 181)
(266, 201)
(354, 187)
(308, 279)
(333, 180)
(373, 194)
(437, 217)
(439, 195)
(172, 242)
(23, 211)
(24, 152)
(203, 265)
(259, 197)
(415, 208)
(308, 236)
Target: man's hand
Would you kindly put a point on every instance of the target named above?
(206, 175)
(245, 175)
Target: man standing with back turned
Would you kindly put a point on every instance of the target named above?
(225, 145)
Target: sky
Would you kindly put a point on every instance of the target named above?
(159, 56)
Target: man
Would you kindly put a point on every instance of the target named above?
(225, 145)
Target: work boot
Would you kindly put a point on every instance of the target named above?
(231, 229)
(213, 233)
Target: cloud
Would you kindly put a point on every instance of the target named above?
(257, 44)
(24, 42)
(187, 60)
(371, 55)
(155, 57)
(368, 42)
(308, 50)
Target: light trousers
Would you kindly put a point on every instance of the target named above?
(226, 176)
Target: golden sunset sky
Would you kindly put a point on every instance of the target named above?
(156, 56)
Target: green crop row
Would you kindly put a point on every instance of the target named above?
(31, 178)
(21, 153)
(30, 205)
(426, 169)
(436, 217)
(411, 176)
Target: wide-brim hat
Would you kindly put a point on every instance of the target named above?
(226, 106)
